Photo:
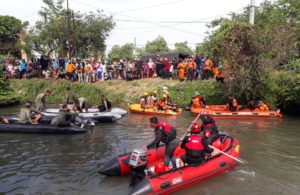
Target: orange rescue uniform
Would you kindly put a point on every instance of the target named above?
(181, 70)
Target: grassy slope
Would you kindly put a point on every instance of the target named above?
(121, 92)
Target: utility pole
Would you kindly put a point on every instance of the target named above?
(68, 21)
(74, 36)
(134, 48)
(252, 12)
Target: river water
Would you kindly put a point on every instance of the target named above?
(68, 164)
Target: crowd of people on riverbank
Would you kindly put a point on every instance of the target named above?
(91, 71)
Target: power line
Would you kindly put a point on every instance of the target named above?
(195, 34)
(172, 22)
(149, 7)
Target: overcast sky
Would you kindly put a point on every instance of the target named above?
(139, 19)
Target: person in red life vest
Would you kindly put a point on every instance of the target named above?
(196, 147)
(197, 101)
(232, 104)
(167, 134)
(209, 129)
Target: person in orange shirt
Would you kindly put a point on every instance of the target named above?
(70, 73)
(181, 69)
(162, 104)
(215, 71)
(191, 67)
(207, 68)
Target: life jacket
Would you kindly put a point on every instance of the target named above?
(207, 65)
(194, 146)
(168, 134)
(196, 102)
(161, 103)
(209, 129)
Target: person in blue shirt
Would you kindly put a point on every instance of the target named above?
(23, 67)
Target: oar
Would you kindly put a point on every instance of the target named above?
(234, 158)
(188, 130)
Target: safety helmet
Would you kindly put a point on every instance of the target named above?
(164, 96)
(155, 92)
(145, 94)
(167, 93)
(196, 93)
(159, 167)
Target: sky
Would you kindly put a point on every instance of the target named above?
(139, 21)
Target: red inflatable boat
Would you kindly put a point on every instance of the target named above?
(171, 181)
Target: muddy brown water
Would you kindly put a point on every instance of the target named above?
(68, 164)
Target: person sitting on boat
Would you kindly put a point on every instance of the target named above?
(209, 129)
(251, 105)
(64, 117)
(169, 100)
(26, 116)
(162, 104)
(262, 106)
(232, 104)
(144, 101)
(4, 120)
(105, 105)
(70, 99)
(153, 99)
(82, 103)
(196, 147)
(164, 133)
(197, 101)
(41, 100)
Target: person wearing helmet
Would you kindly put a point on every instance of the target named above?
(162, 104)
(26, 116)
(164, 133)
(197, 101)
(196, 147)
(144, 101)
(209, 128)
(153, 99)
(169, 100)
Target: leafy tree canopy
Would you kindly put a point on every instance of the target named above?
(158, 45)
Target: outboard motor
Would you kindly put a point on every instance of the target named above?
(138, 163)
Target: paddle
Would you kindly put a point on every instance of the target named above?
(234, 158)
(188, 130)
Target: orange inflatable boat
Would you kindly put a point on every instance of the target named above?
(221, 111)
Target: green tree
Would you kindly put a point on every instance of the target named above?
(88, 31)
(10, 29)
(158, 45)
(123, 52)
(183, 47)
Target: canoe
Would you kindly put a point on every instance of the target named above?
(119, 111)
(97, 116)
(171, 181)
(221, 111)
(136, 108)
(14, 127)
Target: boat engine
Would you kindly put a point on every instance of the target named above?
(138, 163)
(138, 158)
